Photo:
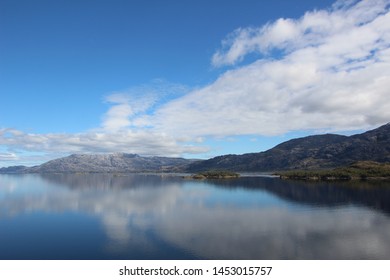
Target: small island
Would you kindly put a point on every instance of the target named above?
(214, 174)
(361, 170)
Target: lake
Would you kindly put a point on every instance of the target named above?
(108, 216)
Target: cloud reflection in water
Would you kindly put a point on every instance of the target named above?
(146, 213)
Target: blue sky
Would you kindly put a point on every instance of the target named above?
(187, 78)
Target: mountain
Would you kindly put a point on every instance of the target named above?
(312, 152)
(13, 169)
(118, 162)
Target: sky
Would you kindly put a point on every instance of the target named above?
(192, 79)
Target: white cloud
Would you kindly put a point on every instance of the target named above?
(246, 40)
(142, 142)
(8, 157)
(119, 116)
(332, 73)
(130, 104)
(314, 29)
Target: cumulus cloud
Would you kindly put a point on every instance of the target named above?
(118, 115)
(330, 72)
(326, 28)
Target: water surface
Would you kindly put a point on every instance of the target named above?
(107, 216)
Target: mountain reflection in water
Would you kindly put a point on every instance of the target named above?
(108, 216)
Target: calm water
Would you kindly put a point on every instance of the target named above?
(102, 216)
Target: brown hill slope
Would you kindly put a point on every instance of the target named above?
(312, 152)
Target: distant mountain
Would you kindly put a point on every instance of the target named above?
(13, 169)
(118, 162)
(312, 152)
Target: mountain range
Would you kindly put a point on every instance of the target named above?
(311, 152)
(117, 162)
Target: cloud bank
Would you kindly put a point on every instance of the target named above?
(328, 70)
(143, 142)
